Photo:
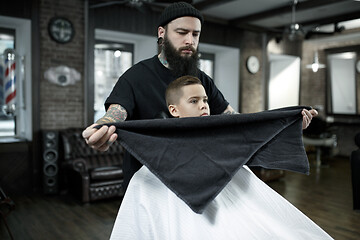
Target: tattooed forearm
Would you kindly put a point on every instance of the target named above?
(229, 110)
(115, 113)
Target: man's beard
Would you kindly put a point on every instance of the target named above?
(180, 65)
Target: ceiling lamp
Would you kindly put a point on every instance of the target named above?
(315, 66)
(294, 31)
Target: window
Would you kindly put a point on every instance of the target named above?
(15, 33)
(7, 82)
(207, 63)
(111, 61)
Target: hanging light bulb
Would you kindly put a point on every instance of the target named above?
(294, 31)
(316, 65)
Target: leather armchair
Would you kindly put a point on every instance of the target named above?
(90, 174)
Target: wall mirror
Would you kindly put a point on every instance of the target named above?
(284, 81)
(342, 82)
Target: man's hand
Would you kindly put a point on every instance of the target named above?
(100, 139)
(307, 116)
(229, 110)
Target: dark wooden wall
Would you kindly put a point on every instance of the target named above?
(127, 19)
(17, 8)
(19, 160)
(15, 167)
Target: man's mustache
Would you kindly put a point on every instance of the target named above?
(187, 48)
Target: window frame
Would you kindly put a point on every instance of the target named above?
(113, 46)
(210, 57)
(23, 37)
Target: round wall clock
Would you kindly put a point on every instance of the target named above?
(253, 64)
(61, 30)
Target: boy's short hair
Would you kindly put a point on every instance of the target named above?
(173, 92)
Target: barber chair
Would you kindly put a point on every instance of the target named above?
(355, 173)
(90, 174)
(319, 136)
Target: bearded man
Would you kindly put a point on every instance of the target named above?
(140, 92)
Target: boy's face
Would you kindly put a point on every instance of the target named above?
(192, 103)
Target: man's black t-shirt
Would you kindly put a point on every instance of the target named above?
(141, 91)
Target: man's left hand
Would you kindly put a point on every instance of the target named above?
(307, 116)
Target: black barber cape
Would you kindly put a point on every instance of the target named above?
(196, 157)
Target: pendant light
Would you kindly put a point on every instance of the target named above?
(295, 30)
(315, 66)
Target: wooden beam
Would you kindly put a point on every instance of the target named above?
(203, 5)
(333, 19)
(283, 10)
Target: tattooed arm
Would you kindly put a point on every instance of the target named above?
(101, 139)
(307, 115)
(115, 113)
(229, 110)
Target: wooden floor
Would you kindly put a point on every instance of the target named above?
(324, 196)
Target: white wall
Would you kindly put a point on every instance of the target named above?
(227, 62)
(284, 83)
(144, 46)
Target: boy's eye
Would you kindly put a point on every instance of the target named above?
(193, 101)
(205, 100)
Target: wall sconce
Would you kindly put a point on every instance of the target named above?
(315, 66)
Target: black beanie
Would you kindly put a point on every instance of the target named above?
(176, 10)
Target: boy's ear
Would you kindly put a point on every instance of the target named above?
(173, 110)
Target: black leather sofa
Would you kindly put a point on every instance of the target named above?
(91, 175)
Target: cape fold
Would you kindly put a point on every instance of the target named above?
(196, 157)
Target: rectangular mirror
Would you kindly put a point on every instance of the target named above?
(342, 86)
(284, 81)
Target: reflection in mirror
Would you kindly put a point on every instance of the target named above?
(284, 81)
(341, 84)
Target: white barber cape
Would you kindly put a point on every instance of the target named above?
(245, 209)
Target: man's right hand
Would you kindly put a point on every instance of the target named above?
(100, 139)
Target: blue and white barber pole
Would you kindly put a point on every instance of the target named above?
(9, 82)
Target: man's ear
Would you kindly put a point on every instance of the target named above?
(161, 32)
(173, 111)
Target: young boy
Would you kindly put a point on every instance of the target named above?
(245, 209)
(186, 97)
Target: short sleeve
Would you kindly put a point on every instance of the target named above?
(217, 101)
(122, 94)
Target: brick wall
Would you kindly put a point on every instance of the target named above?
(62, 106)
(313, 87)
(252, 91)
(316, 82)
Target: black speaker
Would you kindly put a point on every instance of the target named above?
(50, 157)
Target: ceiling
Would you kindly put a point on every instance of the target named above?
(272, 16)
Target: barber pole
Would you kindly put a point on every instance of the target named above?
(9, 82)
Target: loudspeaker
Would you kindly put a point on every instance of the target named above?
(50, 157)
